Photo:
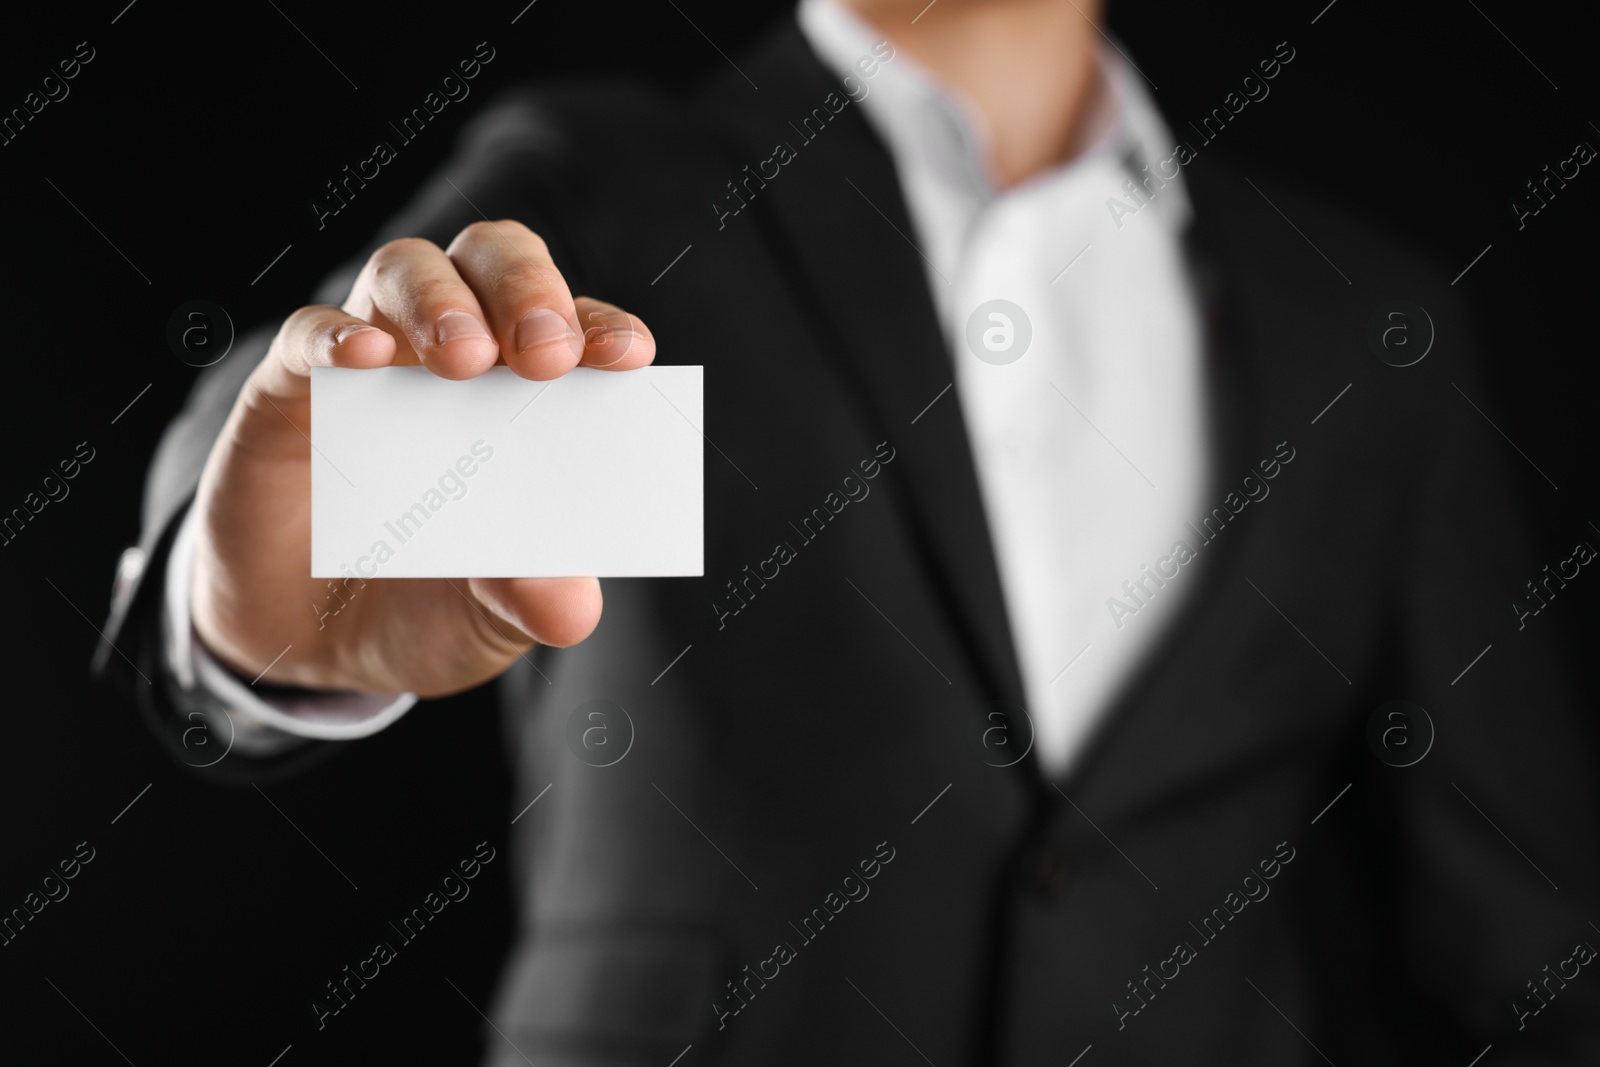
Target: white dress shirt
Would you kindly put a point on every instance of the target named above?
(1090, 446)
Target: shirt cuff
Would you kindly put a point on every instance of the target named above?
(259, 723)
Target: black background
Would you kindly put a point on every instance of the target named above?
(195, 141)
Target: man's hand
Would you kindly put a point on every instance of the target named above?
(494, 296)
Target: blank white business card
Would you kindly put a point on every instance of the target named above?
(595, 473)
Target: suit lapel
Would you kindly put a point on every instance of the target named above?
(841, 228)
(837, 220)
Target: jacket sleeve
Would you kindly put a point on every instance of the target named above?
(513, 161)
(1496, 830)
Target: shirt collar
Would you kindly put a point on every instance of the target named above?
(928, 123)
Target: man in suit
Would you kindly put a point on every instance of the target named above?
(1035, 702)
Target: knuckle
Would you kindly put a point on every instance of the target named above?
(513, 228)
(304, 318)
(429, 293)
(393, 254)
(523, 278)
(305, 324)
(481, 230)
(497, 234)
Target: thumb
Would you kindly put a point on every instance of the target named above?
(551, 611)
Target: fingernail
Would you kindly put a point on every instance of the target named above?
(542, 327)
(458, 326)
(344, 333)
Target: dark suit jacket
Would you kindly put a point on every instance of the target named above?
(1186, 894)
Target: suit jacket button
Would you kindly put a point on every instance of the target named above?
(1052, 868)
